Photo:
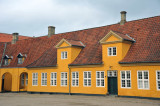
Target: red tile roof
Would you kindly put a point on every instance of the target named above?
(8, 37)
(41, 52)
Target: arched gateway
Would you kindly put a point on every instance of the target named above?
(6, 82)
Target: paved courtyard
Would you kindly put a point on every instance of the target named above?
(24, 99)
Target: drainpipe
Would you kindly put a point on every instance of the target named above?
(69, 80)
(3, 53)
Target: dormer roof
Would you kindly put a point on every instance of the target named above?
(70, 43)
(120, 37)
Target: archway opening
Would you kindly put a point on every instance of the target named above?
(6, 82)
(23, 81)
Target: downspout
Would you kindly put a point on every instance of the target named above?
(3, 53)
(69, 80)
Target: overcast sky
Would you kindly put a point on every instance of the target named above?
(32, 17)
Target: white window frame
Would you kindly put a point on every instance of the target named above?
(87, 79)
(100, 78)
(35, 79)
(64, 55)
(75, 79)
(125, 78)
(44, 79)
(143, 79)
(112, 51)
(64, 79)
(54, 79)
(157, 79)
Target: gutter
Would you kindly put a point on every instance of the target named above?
(41, 66)
(3, 53)
(139, 62)
(85, 64)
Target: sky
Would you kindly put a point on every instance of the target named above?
(32, 17)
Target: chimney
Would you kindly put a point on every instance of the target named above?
(123, 17)
(14, 38)
(51, 30)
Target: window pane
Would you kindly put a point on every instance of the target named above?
(128, 74)
(123, 74)
(158, 75)
(73, 82)
(62, 75)
(139, 75)
(77, 76)
(73, 74)
(55, 75)
(109, 51)
(85, 82)
(55, 82)
(109, 73)
(158, 83)
(77, 82)
(123, 83)
(98, 74)
(146, 84)
(89, 82)
(140, 84)
(115, 73)
(102, 74)
(128, 83)
(89, 74)
(102, 82)
(98, 82)
(85, 74)
(145, 75)
(65, 75)
(65, 55)
(114, 50)
(62, 82)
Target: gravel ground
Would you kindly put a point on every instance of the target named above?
(24, 99)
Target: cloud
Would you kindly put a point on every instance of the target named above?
(32, 17)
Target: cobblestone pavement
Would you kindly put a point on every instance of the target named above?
(24, 99)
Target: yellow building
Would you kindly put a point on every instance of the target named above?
(121, 59)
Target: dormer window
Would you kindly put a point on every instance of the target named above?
(112, 51)
(64, 55)
(6, 60)
(20, 58)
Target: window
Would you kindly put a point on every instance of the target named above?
(87, 78)
(75, 78)
(26, 79)
(158, 80)
(34, 79)
(53, 79)
(143, 80)
(63, 55)
(100, 78)
(6, 61)
(20, 60)
(112, 73)
(22, 80)
(112, 51)
(44, 79)
(125, 79)
(63, 78)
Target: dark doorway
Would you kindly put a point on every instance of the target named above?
(112, 82)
